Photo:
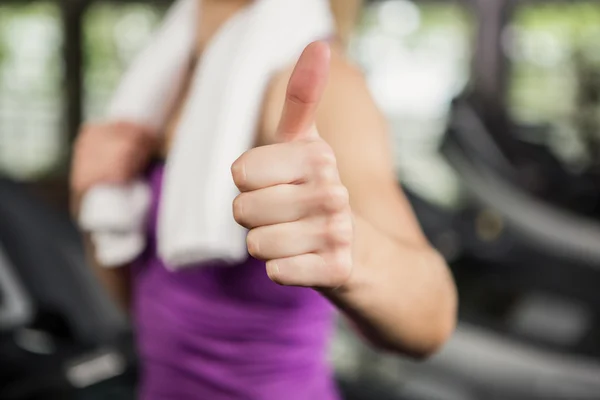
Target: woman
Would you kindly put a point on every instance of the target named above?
(323, 209)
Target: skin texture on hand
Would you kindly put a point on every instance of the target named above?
(357, 239)
(292, 201)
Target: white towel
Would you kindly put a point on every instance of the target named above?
(218, 124)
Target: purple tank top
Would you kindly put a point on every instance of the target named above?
(220, 332)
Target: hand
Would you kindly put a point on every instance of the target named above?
(109, 153)
(292, 199)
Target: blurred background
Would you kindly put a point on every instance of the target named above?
(495, 112)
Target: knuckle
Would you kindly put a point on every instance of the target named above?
(238, 172)
(340, 268)
(333, 198)
(320, 155)
(252, 243)
(338, 230)
(238, 210)
(326, 173)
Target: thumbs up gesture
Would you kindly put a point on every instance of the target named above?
(292, 200)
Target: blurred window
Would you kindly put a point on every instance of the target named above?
(416, 56)
(554, 53)
(31, 74)
(113, 34)
(33, 136)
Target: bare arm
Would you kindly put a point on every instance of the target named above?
(400, 294)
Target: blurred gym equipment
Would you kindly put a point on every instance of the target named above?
(60, 336)
(525, 247)
(522, 243)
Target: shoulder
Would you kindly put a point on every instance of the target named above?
(345, 80)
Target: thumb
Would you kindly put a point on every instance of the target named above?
(304, 92)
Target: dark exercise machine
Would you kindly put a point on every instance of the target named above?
(528, 270)
(523, 244)
(60, 336)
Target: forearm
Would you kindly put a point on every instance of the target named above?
(401, 297)
(116, 281)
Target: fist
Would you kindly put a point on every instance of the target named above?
(109, 153)
(292, 200)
